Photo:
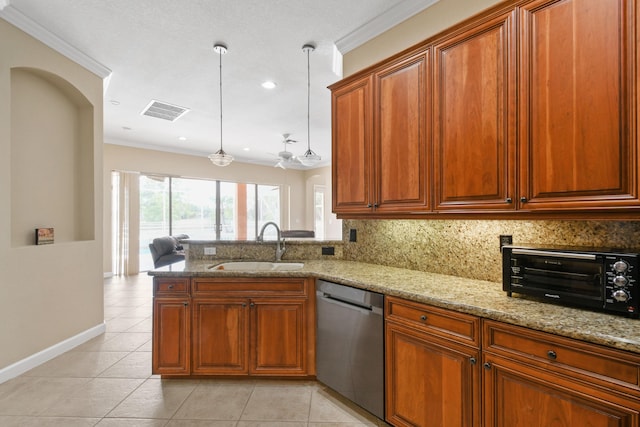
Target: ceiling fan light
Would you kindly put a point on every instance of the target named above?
(220, 158)
(309, 158)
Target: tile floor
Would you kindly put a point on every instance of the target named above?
(107, 382)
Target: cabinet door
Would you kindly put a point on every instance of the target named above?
(516, 395)
(577, 112)
(430, 382)
(220, 336)
(401, 136)
(352, 113)
(171, 329)
(279, 338)
(474, 111)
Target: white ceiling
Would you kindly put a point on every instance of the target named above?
(163, 50)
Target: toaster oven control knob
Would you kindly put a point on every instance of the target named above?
(621, 295)
(620, 281)
(620, 266)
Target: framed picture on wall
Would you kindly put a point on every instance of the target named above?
(44, 236)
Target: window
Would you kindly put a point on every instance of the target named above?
(203, 209)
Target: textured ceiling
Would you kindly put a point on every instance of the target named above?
(163, 50)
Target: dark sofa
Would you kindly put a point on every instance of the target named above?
(166, 250)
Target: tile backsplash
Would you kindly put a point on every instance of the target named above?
(471, 248)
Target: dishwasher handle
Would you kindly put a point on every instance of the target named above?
(366, 309)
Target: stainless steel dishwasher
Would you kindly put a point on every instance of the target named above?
(350, 344)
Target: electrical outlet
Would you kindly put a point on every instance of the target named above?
(328, 250)
(209, 251)
(505, 239)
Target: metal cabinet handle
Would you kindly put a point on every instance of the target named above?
(252, 305)
(509, 200)
(423, 318)
(369, 205)
(473, 360)
(487, 365)
(523, 199)
(552, 355)
(185, 304)
(244, 304)
(170, 287)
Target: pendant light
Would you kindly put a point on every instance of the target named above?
(309, 158)
(220, 158)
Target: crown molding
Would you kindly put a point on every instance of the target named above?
(378, 25)
(13, 16)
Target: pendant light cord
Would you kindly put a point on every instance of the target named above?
(220, 54)
(308, 102)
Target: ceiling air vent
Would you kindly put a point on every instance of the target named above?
(163, 110)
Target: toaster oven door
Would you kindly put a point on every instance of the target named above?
(574, 277)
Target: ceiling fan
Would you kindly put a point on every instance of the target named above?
(286, 157)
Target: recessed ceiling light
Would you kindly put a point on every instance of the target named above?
(269, 84)
(246, 149)
(182, 138)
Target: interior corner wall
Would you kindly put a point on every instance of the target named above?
(332, 225)
(118, 156)
(48, 293)
(429, 22)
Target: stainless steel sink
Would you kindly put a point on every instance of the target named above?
(258, 266)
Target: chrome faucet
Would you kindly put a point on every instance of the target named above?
(279, 249)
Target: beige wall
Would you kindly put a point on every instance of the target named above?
(48, 293)
(425, 24)
(297, 213)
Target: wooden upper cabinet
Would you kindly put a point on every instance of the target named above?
(351, 147)
(401, 135)
(474, 103)
(577, 107)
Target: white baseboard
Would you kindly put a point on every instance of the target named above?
(22, 366)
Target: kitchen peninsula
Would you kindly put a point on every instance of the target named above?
(477, 346)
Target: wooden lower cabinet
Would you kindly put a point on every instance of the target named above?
(432, 373)
(527, 378)
(517, 395)
(279, 340)
(535, 379)
(430, 382)
(171, 331)
(220, 339)
(235, 327)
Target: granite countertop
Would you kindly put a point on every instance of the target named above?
(477, 297)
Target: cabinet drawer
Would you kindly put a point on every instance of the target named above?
(170, 287)
(242, 286)
(438, 321)
(562, 354)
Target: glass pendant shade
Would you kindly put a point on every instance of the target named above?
(220, 158)
(309, 158)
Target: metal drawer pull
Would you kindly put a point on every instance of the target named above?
(170, 287)
(487, 365)
(423, 318)
(473, 360)
(552, 355)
